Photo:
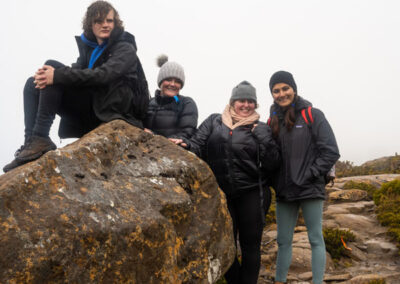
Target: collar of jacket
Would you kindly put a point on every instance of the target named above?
(164, 99)
(117, 34)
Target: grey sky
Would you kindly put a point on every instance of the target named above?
(344, 55)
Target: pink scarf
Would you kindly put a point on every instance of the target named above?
(232, 120)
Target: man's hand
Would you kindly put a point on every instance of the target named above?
(44, 77)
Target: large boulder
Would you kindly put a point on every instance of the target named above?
(119, 205)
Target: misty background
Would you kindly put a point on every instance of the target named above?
(344, 56)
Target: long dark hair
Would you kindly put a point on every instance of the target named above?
(289, 118)
(98, 11)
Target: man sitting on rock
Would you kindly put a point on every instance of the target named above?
(107, 82)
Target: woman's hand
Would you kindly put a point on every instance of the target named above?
(148, 131)
(177, 141)
(44, 77)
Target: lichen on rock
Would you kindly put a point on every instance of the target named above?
(118, 205)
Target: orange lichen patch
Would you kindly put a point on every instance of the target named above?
(38, 234)
(128, 185)
(143, 149)
(196, 185)
(83, 189)
(56, 197)
(7, 225)
(178, 189)
(89, 155)
(55, 183)
(34, 204)
(64, 217)
(176, 248)
(32, 181)
(205, 195)
(67, 155)
(92, 273)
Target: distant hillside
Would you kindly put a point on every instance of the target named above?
(385, 165)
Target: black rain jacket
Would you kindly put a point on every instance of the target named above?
(308, 153)
(108, 89)
(233, 154)
(172, 119)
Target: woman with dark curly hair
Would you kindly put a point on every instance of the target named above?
(107, 82)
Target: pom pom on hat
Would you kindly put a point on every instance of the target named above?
(161, 59)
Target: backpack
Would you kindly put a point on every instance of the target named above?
(308, 119)
(140, 92)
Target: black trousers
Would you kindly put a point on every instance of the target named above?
(248, 225)
(41, 106)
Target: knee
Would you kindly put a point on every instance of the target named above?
(30, 81)
(30, 85)
(53, 63)
(316, 239)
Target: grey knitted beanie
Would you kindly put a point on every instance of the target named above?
(169, 69)
(244, 91)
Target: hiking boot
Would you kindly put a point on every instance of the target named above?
(35, 148)
(15, 163)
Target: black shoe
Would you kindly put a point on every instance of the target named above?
(15, 163)
(35, 148)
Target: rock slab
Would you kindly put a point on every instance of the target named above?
(117, 206)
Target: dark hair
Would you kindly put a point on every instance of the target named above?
(98, 11)
(289, 119)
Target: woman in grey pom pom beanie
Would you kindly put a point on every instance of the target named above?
(170, 114)
(241, 152)
(309, 151)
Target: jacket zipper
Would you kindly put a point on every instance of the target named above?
(229, 154)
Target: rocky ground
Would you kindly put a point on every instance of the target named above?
(372, 257)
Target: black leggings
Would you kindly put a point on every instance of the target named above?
(246, 217)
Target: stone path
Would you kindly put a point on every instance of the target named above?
(373, 256)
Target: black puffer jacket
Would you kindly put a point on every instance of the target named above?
(110, 84)
(172, 119)
(308, 153)
(232, 154)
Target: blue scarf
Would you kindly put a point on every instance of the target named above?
(98, 49)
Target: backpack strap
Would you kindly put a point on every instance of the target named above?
(179, 105)
(304, 114)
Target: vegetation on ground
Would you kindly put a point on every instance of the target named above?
(369, 188)
(386, 165)
(221, 281)
(270, 217)
(387, 200)
(333, 242)
(377, 281)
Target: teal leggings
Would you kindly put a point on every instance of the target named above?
(286, 218)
